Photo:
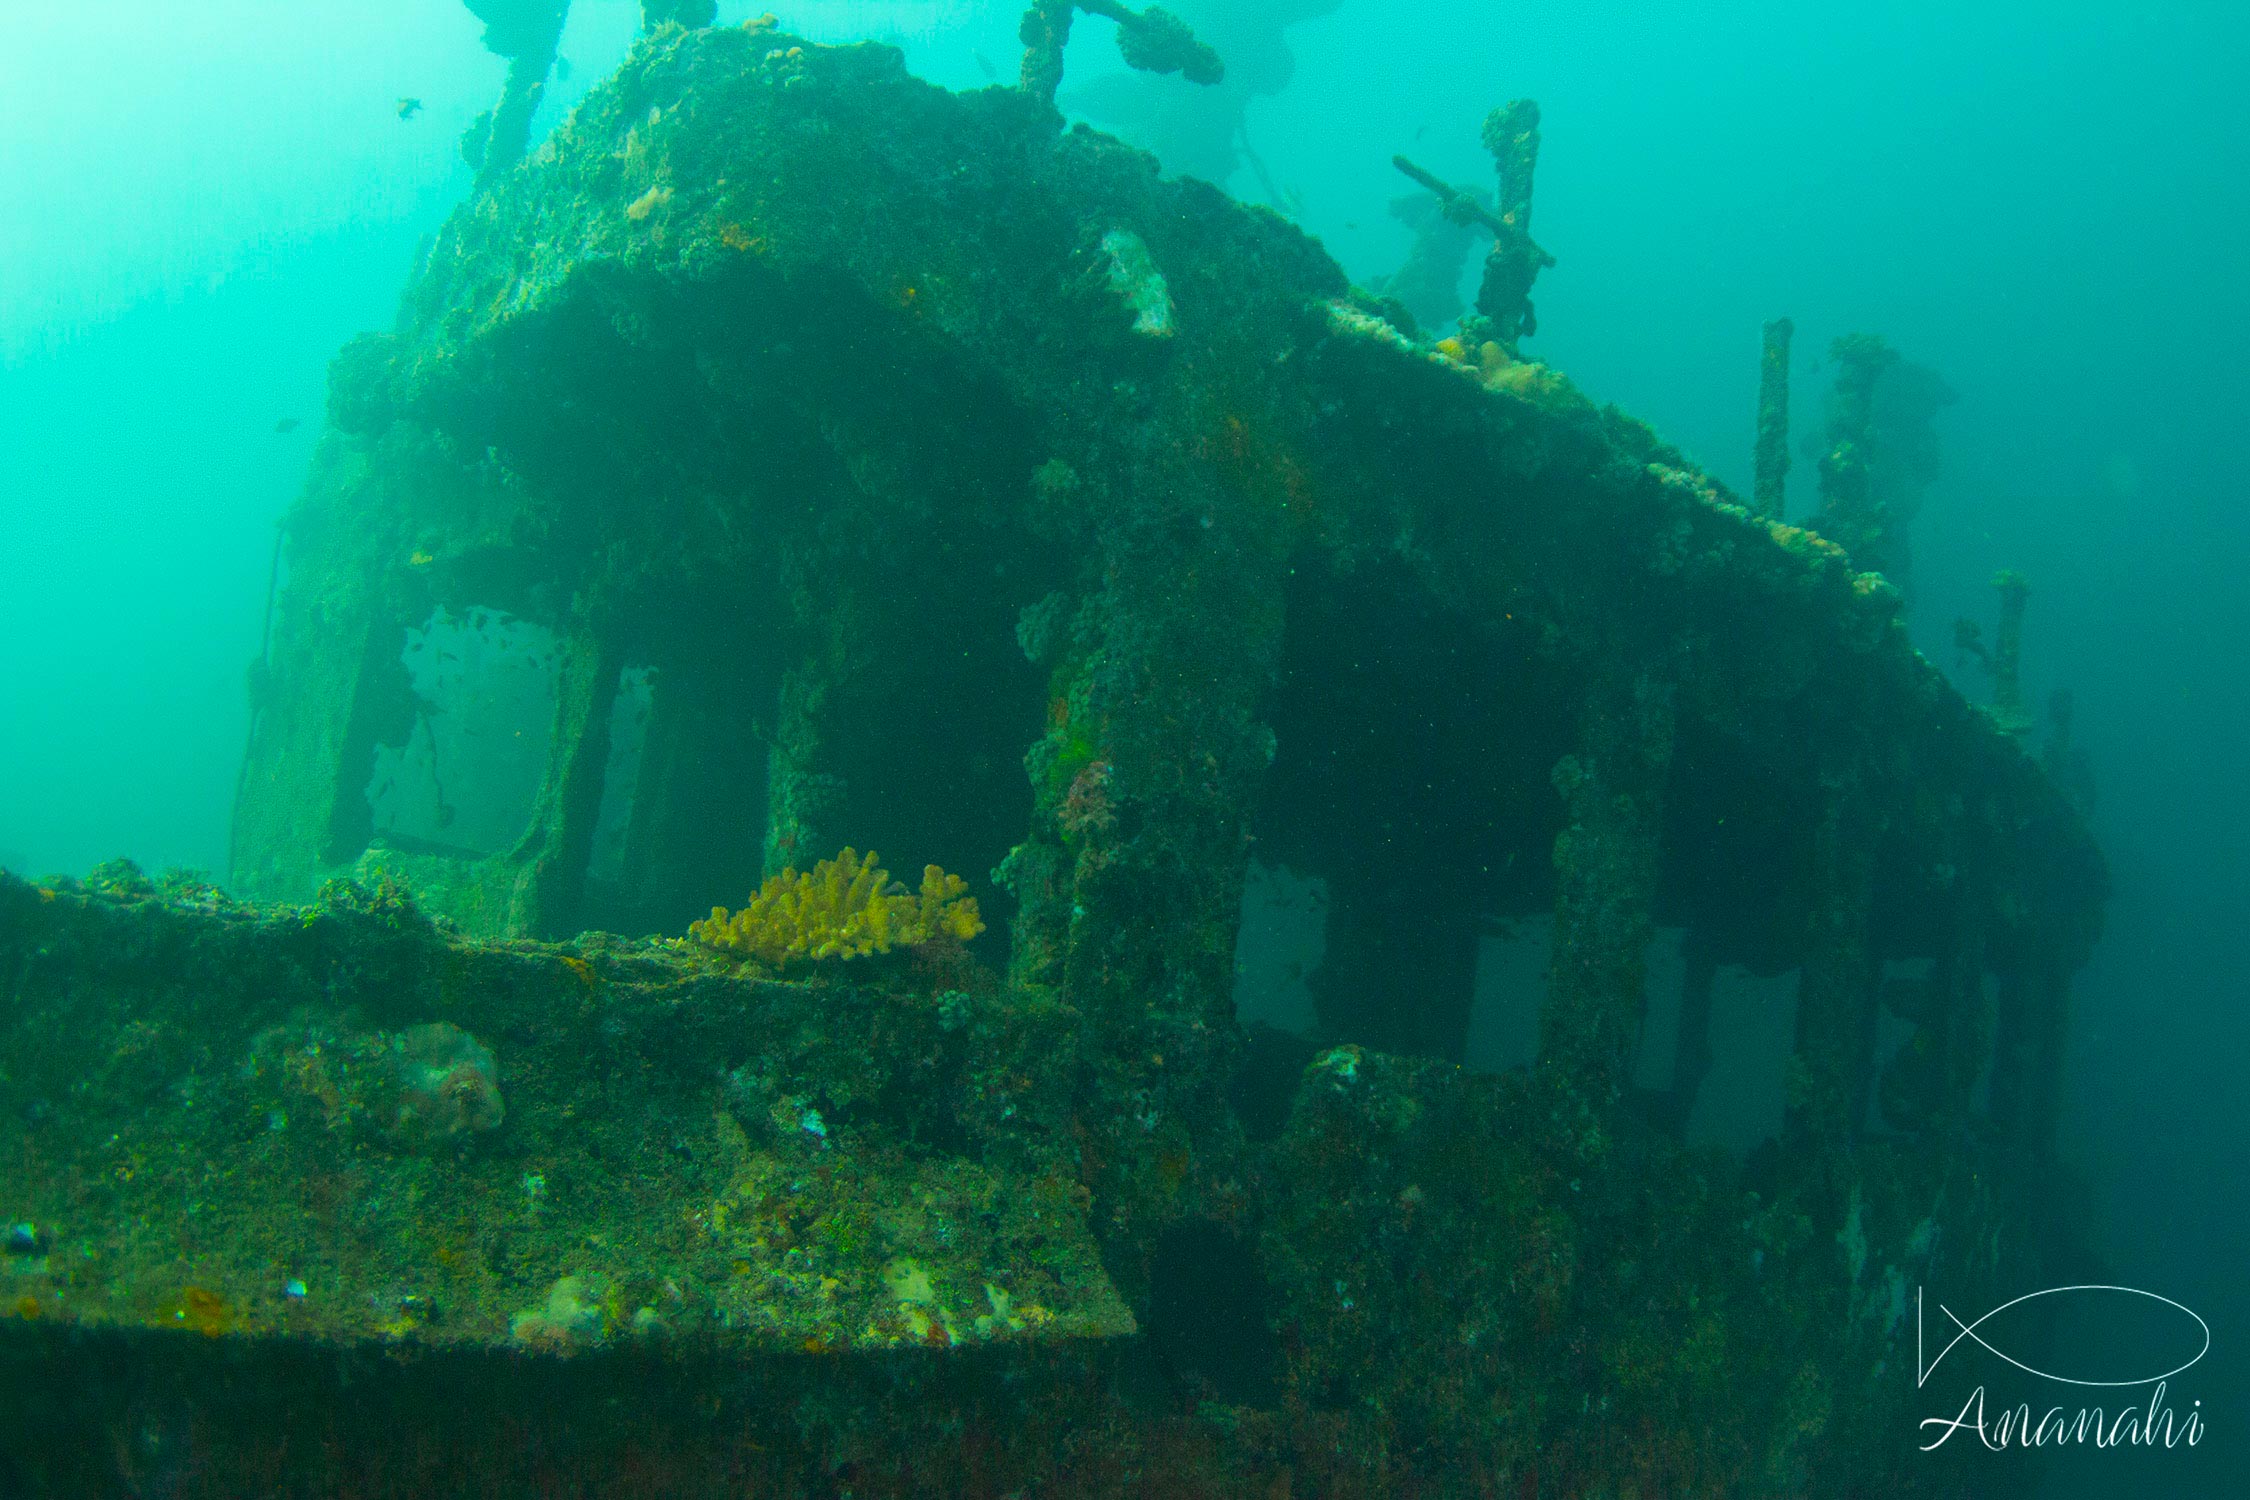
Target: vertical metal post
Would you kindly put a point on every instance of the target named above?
(1772, 454)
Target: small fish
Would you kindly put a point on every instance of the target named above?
(409, 108)
(562, 69)
(286, 424)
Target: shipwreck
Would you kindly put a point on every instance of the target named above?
(790, 456)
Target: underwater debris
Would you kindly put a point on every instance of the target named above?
(2003, 659)
(1771, 456)
(1133, 276)
(443, 1088)
(1851, 513)
(1511, 134)
(1156, 41)
(848, 907)
(527, 33)
(565, 1321)
(1152, 40)
(1881, 452)
(1458, 205)
(1428, 282)
(1207, 132)
(427, 1090)
(1504, 313)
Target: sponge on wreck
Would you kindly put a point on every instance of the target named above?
(848, 907)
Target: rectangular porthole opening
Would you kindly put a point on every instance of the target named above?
(1753, 1028)
(467, 775)
(1278, 947)
(1513, 962)
(621, 773)
(1412, 781)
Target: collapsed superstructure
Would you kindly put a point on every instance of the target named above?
(791, 454)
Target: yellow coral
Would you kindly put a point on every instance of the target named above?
(847, 907)
(1498, 370)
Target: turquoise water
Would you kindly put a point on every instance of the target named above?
(2045, 204)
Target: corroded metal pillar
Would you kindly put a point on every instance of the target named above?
(2034, 1007)
(1928, 1086)
(1158, 818)
(1691, 1056)
(1131, 881)
(2048, 1038)
(1511, 134)
(1045, 33)
(554, 851)
(1605, 882)
(527, 33)
(1772, 454)
(1957, 1023)
(827, 658)
(1852, 513)
(1836, 987)
(801, 796)
(1957, 984)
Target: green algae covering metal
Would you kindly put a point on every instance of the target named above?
(853, 463)
(339, 1123)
